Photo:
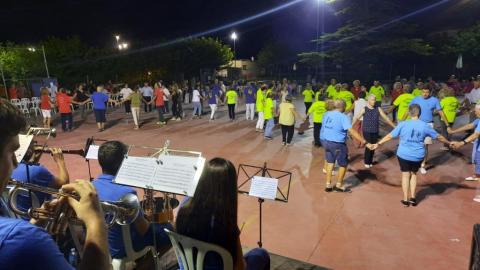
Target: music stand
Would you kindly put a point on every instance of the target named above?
(264, 172)
(90, 141)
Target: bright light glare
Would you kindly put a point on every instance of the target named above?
(31, 49)
(233, 36)
(125, 45)
(117, 37)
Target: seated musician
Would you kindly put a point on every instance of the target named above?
(211, 216)
(26, 246)
(29, 170)
(110, 157)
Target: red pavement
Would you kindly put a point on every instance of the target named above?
(366, 229)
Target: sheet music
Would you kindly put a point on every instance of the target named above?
(137, 171)
(25, 141)
(176, 174)
(92, 152)
(264, 187)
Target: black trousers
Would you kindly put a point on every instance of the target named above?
(316, 133)
(149, 106)
(287, 133)
(175, 109)
(307, 106)
(166, 110)
(231, 111)
(67, 121)
(370, 138)
(128, 108)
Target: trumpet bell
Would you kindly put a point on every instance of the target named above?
(124, 211)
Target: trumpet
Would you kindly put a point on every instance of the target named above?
(39, 148)
(123, 212)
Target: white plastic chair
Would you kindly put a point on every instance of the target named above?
(184, 248)
(128, 262)
(35, 106)
(15, 101)
(23, 106)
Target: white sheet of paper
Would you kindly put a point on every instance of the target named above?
(92, 152)
(25, 141)
(137, 171)
(264, 187)
(177, 174)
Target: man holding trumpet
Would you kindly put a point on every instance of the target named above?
(25, 246)
(29, 170)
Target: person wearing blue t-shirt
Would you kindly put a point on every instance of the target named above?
(428, 105)
(30, 171)
(475, 150)
(213, 97)
(333, 135)
(26, 246)
(411, 150)
(99, 100)
(110, 157)
(249, 93)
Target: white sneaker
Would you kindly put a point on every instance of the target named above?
(366, 166)
(477, 198)
(471, 178)
(423, 170)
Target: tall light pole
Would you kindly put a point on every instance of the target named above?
(234, 37)
(45, 61)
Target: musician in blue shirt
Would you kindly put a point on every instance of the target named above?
(110, 157)
(411, 150)
(32, 172)
(26, 246)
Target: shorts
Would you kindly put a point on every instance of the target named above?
(408, 165)
(100, 116)
(477, 162)
(335, 152)
(47, 113)
(428, 140)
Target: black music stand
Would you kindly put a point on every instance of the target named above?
(264, 172)
(88, 143)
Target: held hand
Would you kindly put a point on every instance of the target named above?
(57, 154)
(87, 207)
(456, 145)
(449, 130)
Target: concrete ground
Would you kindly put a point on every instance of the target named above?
(365, 229)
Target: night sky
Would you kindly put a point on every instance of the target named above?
(148, 22)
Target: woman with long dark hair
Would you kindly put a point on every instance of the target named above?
(211, 216)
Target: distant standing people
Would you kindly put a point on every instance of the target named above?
(197, 107)
(396, 92)
(125, 93)
(358, 106)
(411, 150)
(81, 96)
(231, 97)
(308, 96)
(176, 103)
(268, 113)
(332, 89)
(213, 98)
(100, 100)
(46, 106)
(64, 103)
(166, 98)
(318, 109)
(379, 92)
(147, 93)
(287, 115)
(159, 102)
(401, 103)
(136, 100)
(449, 104)
(259, 105)
(249, 93)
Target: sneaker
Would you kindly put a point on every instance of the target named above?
(423, 170)
(477, 198)
(268, 138)
(288, 144)
(366, 166)
(178, 119)
(283, 143)
(471, 178)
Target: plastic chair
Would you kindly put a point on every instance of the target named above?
(35, 106)
(184, 248)
(23, 106)
(128, 262)
(15, 101)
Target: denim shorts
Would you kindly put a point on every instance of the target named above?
(336, 152)
(477, 162)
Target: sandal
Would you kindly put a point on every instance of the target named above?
(344, 190)
(413, 201)
(328, 188)
(405, 203)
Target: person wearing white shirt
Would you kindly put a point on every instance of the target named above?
(472, 98)
(359, 105)
(147, 93)
(125, 93)
(53, 90)
(197, 107)
(166, 98)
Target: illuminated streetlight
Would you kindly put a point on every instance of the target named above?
(125, 45)
(234, 37)
(32, 49)
(117, 37)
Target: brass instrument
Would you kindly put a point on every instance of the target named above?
(37, 131)
(123, 212)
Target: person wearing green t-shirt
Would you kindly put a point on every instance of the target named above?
(136, 100)
(402, 102)
(378, 91)
(333, 93)
(348, 97)
(268, 111)
(449, 105)
(308, 95)
(317, 109)
(418, 91)
(331, 89)
(260, 104)
(231, 97)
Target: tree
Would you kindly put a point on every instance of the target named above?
(466, 42)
